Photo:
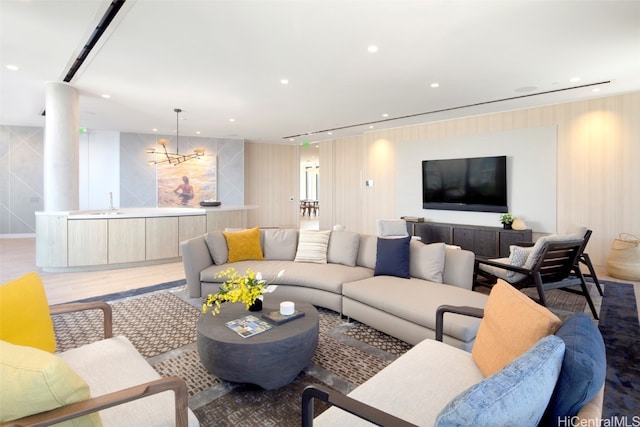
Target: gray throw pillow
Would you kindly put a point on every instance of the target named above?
(280, 244)
(427, 260)
(217, 245)
(343, 247)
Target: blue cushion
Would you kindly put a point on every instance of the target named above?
(583, 368)
(392, 257)
(517, 395)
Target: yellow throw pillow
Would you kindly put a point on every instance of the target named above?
(511, 325)
(244, 245)
(35, 381)
(24, 313)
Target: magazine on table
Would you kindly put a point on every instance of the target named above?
(248, 326)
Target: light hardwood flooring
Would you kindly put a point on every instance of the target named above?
(17, 257)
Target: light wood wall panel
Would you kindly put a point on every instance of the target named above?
(342, 183)
(598, 156)
(597, 168)
(272, 178)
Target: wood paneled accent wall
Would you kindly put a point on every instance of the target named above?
(598, 172)
(272, 178)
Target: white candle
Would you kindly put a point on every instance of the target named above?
(287, 308)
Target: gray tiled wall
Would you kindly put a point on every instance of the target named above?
(21, 178)
(21, 173)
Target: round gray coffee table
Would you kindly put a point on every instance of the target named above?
(270, 359)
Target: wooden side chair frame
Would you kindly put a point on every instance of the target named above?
(95, 404)
(556, 268)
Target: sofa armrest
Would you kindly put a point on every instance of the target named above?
(95, 404)
(195, 258)
(465, 310)
(344, 402)
(83, 306)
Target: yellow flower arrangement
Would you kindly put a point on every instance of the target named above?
(237, 288)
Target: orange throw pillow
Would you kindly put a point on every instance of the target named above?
(511, 325)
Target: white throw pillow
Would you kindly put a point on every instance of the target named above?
(312, 246)
(518, 257)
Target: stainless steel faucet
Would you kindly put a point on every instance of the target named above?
(111, 208)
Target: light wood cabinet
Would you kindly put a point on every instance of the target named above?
(51, 244)
(161, 237)
(190, 227)
(94, 240)
(126, 240)
(87, 242)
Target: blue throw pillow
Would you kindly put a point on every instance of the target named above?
(392, 257)
(516, 395)
(583, 368)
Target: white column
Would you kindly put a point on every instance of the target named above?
(61, 142)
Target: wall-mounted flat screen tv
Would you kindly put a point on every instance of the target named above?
(469, 184)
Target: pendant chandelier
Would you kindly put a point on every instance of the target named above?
(173, 158)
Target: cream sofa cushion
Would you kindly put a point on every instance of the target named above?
(417, 376)
(114, 364)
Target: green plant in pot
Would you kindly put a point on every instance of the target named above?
(506, 220)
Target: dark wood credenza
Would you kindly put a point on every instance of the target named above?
(492, 242)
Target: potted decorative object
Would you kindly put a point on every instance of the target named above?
(506, 220)
(247, 289)
(518, 224)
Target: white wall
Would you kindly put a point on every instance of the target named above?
(531, 175)
(99, 169)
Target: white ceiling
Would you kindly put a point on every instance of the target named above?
(218, 60)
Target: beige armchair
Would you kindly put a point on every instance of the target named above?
(124, 388)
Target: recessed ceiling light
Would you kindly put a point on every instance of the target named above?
(232, 120)
(372, 48)
(154, 130)
(385, 115)
(13, 67)
(371, 127)
(596, 89)
(329, 133)
(197, 132)
(434, 85)
(291, 139)
(106, 96)
(575, 79)
(284, 81)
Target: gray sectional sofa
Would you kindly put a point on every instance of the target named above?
(352, 274)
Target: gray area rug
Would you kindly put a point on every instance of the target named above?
(162, 326)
